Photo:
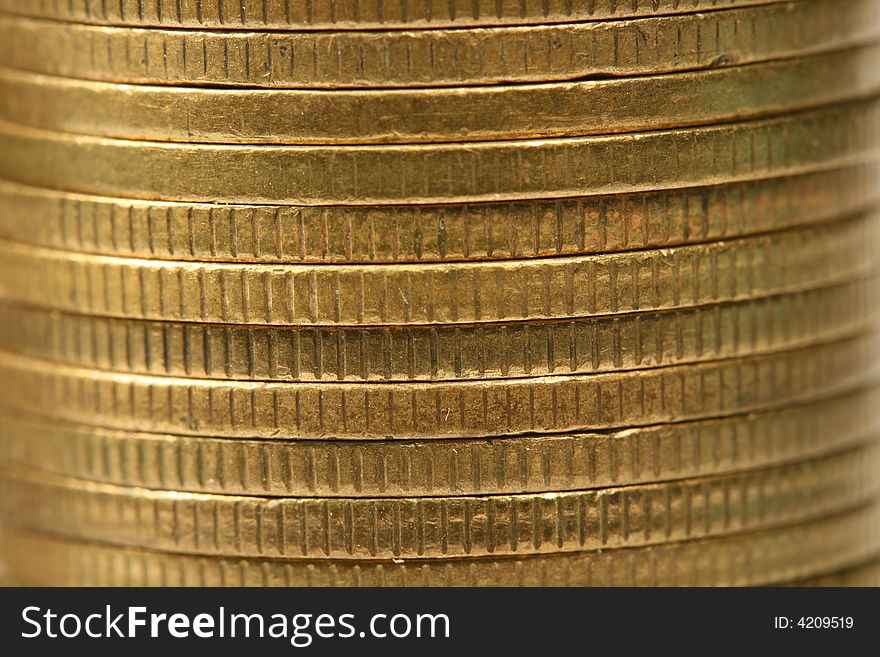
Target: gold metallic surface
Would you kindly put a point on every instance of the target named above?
(352, 14)
(408, 233)
(460, 293)
(383, 468)
(867, 574)
(765, 557)
(429, 410)
(434, 353)
(432, 58)
(426, 173)
(440, 527)
(193, 114)
(439, 292)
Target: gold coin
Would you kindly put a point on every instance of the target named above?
(440, 527)
(6, 579)
(426, 173)
(444, 352)
(867, 574)
(435, 410)
(352, 14)
(412, 233)
(303, 116)
(448, 293)
(765, 557)
(540, 53)
(514, 464)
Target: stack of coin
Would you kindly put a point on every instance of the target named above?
(459, 292)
